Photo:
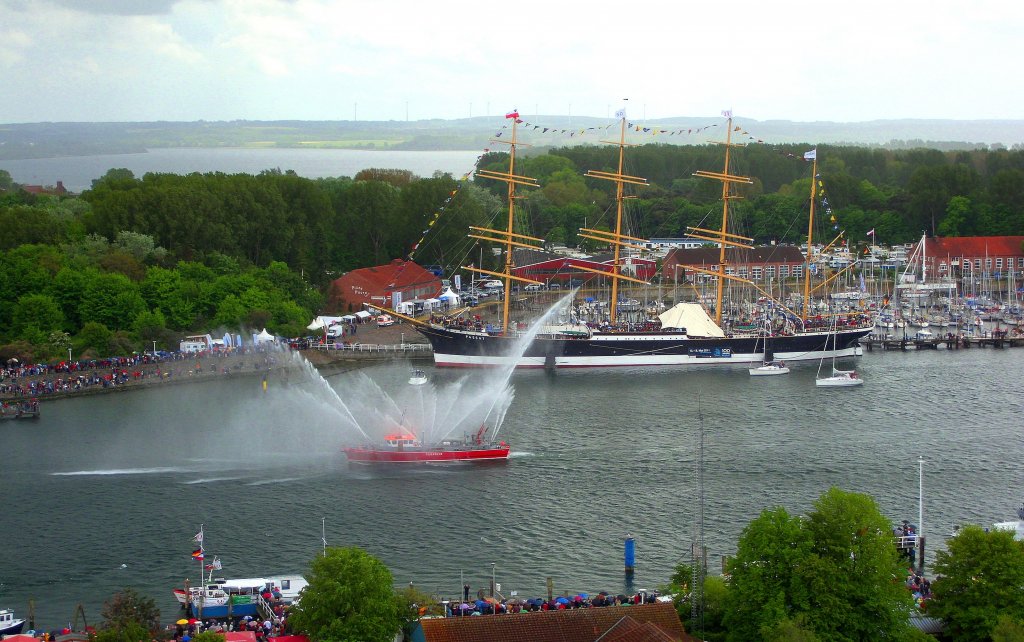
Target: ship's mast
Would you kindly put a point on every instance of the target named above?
(810, 237)
(616, 239)
(507, 237)
(721, 236)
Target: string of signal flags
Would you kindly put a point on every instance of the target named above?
(600, 130)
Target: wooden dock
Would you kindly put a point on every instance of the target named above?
(948, 342)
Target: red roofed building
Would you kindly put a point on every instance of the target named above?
(645, 623)
(966, 256)
(376, 286)
(59, 190)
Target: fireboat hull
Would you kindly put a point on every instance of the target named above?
(458, 348)
(367, 455)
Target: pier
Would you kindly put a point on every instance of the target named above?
(948, 342)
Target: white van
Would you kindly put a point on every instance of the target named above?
(493, 284)
(384, 321)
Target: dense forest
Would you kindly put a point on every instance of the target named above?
(135, 260)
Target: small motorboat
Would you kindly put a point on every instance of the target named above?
(8, 624)
(769, 368)
(418, 378)
(840, 379)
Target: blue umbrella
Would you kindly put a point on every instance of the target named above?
(562, 600)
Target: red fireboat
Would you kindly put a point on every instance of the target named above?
(405, 448)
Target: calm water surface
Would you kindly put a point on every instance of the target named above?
(126, 479)
(78, 172)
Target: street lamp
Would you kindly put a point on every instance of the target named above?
(69, 357)
(154, 348)
(492, 579)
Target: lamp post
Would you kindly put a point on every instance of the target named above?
(492, 579)
(154, 348)
(920, 509)
(69, 357)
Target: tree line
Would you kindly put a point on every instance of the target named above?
(145, 258)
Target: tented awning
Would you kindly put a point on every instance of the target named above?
(693, 318)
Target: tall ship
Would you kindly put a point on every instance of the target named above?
(685, 334)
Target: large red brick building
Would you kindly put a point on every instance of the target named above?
(977, 256)
(376, 286)
(759, 264)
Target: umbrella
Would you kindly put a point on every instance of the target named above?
(584, 596)
(465, 607)
(192, 620)
(182, 621)
(562, 600)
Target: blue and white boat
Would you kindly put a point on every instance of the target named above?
(9, 625)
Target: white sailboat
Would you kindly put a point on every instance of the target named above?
(769, 366)
(838, 378)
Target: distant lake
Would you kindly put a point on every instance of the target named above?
(78, 172)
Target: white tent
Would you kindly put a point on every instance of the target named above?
(263, 337)
(348, 318)
(318, 324)
(692, 318)
(432, 304)
(449, 297)
(363, 314)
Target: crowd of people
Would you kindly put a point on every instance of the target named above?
(21, 381)
(263, 629)
(492, 606)
(920, 586)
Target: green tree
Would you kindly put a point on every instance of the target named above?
(38, 311)
(831, 573)
(349, 598)
(93, 336)
(853, 594)
(127, 608)
(979, 578)
(958, 210)
(766, 581)
(1008, 630)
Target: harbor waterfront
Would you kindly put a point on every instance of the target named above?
(107, 491)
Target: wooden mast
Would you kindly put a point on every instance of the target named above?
(721, 236)
(810, 237)
(507, 237)
(616, 239)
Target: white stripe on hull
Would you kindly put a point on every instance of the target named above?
(455, 360)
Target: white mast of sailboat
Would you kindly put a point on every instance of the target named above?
(507, 237)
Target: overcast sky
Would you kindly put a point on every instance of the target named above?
(119, 60)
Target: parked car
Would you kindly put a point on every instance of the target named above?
(534, 287)
(554, 286)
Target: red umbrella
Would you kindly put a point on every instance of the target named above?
(192, 620)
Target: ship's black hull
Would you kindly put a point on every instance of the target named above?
(458, 348)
